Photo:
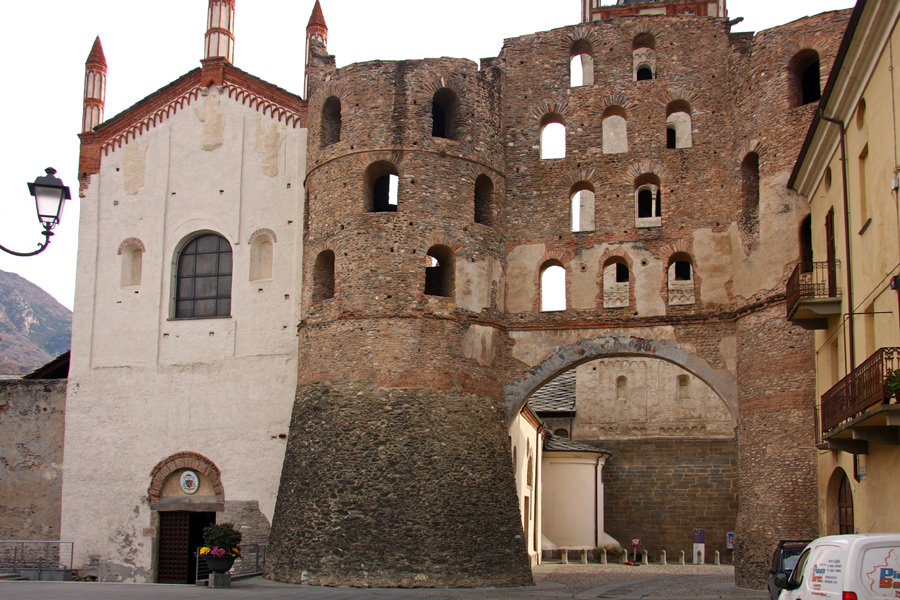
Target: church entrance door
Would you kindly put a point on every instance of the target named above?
(180, 534)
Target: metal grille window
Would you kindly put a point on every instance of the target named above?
(203, 287)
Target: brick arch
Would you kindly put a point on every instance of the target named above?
(748, 146)
(367, 158)
(125, 243)
(545, 108)
(643, 28)
(336, 89)
(581, 33)
(431, 87)
(517, 393)
(678, 95)
(616, 99)
(263, 231)
(184, 460)
(592, 176)
(645, 167)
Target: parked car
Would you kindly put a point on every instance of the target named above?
(786, 554)
(845, 567)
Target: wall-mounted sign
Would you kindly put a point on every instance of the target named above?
(190, 483)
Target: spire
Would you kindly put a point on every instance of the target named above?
(316, 33)
(94, 87)
(219, 41)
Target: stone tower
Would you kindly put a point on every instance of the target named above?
(397, 464)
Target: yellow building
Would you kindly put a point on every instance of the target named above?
(846, 286)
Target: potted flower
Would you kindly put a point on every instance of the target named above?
(221, 546)
(892, 382)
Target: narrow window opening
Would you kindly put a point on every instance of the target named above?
(621, 273)
(261, 258)
(670, 137)
(132, 265)
(323, 276)
(615, 130)
(553, 138)
(439, 272)
(644, 74)
(331, 121)
(682, 270)
(616, 284)
(621, 387)
(811, 83)
(679, 133)
(645, 204)
(582, 196)
(681, 280)
(553, 287)
(444, 118)
(484, 200)
(684, 387)
(806, 250)
(581, 65)
(382, 185)
(805, 78)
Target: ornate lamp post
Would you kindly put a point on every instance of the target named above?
(49, 195)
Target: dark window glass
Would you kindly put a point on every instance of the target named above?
(203, 281)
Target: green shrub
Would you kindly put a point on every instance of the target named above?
(222, 535)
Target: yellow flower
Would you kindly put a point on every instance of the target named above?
(204, 551)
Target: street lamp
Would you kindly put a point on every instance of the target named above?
(49, 195)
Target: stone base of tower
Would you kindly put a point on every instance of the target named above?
(397, 488)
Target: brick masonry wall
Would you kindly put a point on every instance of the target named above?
(387, 488)
(32, 414)
(660, 490)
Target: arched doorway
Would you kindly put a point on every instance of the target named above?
(186, 493)
(845, 506)
(839, 517)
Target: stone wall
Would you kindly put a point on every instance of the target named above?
(660, 490)
(32, 415)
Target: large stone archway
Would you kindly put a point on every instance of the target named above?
(516, 393)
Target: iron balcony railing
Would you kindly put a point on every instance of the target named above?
(812, 280)
(863, 388)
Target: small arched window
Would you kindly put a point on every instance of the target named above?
(644, 57)
(681, 279)
(805, 78)
(331, 121)
(621, 387)
(439, 273)
(132, 264)
(203, 278)
(806, 249)
(553, 286)
(553, 137)
(582, 198)
(615, 130)
(262, 252)
(648, 201)
(484, 200)
(382, 187)
(678, 125)
(323, 276)
(444, 114)
(581, 65)
(616, 284)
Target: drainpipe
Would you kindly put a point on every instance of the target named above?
(848, 264)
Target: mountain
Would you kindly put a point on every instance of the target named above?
(34, 327)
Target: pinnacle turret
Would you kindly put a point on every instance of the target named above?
(94, 87)
(316, 32)
(219, 41)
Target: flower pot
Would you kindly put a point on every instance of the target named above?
(217, 564)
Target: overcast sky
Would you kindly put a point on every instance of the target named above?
(149, 44)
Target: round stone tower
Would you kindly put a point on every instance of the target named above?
(397, 469)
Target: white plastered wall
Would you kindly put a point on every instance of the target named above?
(143, 386)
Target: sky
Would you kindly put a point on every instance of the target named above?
(149, 44)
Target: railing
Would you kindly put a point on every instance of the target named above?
(812, 280)
(252, 561)
(20, 554)
(861, 389)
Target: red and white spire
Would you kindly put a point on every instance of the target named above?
(219, 41)
(94, 87)
(316, 32)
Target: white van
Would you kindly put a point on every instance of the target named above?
(846, 567)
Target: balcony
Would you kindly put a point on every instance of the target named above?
(813, 294)
(860, 408)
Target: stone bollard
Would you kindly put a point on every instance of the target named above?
(584, 557)
(645, 560)
(565, 556)
(681, 560)
(625, 556)
(699, 557)
(603, 556)
(717, 558)
(662, 557)
(219, 580)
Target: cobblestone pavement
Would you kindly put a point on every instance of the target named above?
(553, 581)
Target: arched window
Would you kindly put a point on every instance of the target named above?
(444, 114)
(621, 387)
(323, 276)
(648, 201)
(553, 286)
(806, 249)
(382, 187)
(331, 121)
(644, 57)
(553, 136)
(561, 432)
(484, 200)
(262, 252)
(805, 78)
(616, 283)
(132, 264)
(681, 279)
(582, 197)
(581, 65)
(439, 272)
(203, 278)
(678, 125)
(615, 130)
